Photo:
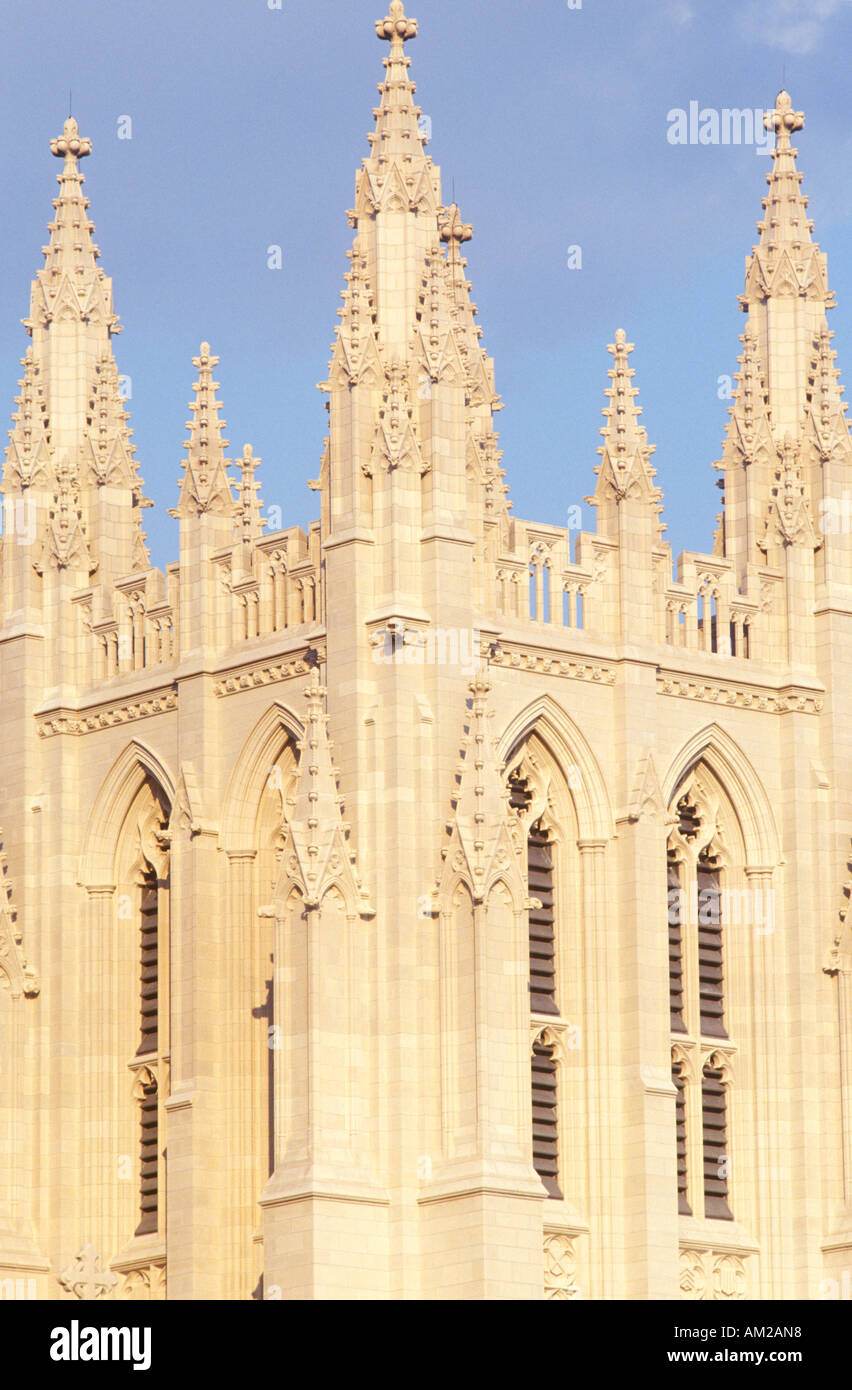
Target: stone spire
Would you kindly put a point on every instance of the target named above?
(70, 453)
(71, 251)
(408, 345)
(205, 486)
(783, 365)
(625, 470)
(786, 285)
(397, 136)
(786, 255)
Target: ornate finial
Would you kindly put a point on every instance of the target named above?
(70, 144)
(784, 120)
(395, 27)
(452, 227)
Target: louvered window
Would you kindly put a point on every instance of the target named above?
(680, 1120)
(541, 923)
(698, 947)
(544, 1118)
(149, 985)
(542, 931)
(148, 1146)
(710, 962)
(714, 1111)
(675, 950)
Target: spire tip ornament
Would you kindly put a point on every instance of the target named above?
(395, 28)
(71, 144)
(783, 119)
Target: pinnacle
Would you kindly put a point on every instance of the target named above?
(317, 798)
(205, 486)
(247, 512)
(625, 467)
(623, 435)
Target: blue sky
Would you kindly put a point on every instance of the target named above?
(248, 123)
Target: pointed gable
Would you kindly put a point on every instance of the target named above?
(487, 840)
(317, 854)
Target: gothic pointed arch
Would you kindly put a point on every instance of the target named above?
(132, 768)
(275, 728)
(748, 796)
(574, 756)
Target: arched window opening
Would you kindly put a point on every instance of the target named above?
(143, 876)
(704, 851)
(542, 936)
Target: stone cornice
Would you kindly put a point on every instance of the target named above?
(508, 655)
(741, 695)
(250, 677)
(63, 720)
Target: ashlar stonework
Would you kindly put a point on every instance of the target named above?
(420, 907)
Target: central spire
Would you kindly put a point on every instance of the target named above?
(787, 417)
(71, 247)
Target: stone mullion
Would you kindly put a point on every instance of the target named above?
(694, 1106)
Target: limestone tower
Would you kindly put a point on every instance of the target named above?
(421, 906)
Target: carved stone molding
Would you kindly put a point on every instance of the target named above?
(16, 974)
(144, 1284)
(685, 1057)
(719, 1059)
(556, 1033)
(712, 1275)
(268, 673)
(560, 1266)
(511, 655)
(742, 697)
(66, 722)
(84, 1280)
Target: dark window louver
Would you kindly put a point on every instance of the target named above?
(148, 1145)
(710, 964)
(542, 922)
(715, 1122)
(675, 951)
(149, 981)
(544, 1118)
(680, 1120)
